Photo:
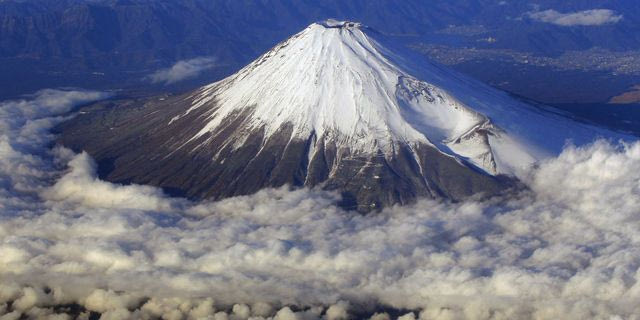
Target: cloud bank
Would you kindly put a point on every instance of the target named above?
(182, 70)
(567, 248)
(594, 17)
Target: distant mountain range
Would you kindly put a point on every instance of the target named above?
(107, 43)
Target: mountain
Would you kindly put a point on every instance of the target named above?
(338, 106)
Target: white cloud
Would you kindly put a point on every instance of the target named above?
(338, 311)
(567, 248)
(595, 17)
(182, 70)
(80, 185)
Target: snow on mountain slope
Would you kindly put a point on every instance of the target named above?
(343, 80)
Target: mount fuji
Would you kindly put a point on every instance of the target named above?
(337, 106)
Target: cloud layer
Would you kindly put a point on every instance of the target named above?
(182, 70)
(595, 17)
(567, 248)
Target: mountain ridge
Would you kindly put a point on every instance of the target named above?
(107, 43)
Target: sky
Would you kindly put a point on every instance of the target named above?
(567, 247)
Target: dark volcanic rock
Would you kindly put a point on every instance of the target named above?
(133, 143)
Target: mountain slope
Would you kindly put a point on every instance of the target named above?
(336, 105)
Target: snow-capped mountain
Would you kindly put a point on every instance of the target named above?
(338, 106)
